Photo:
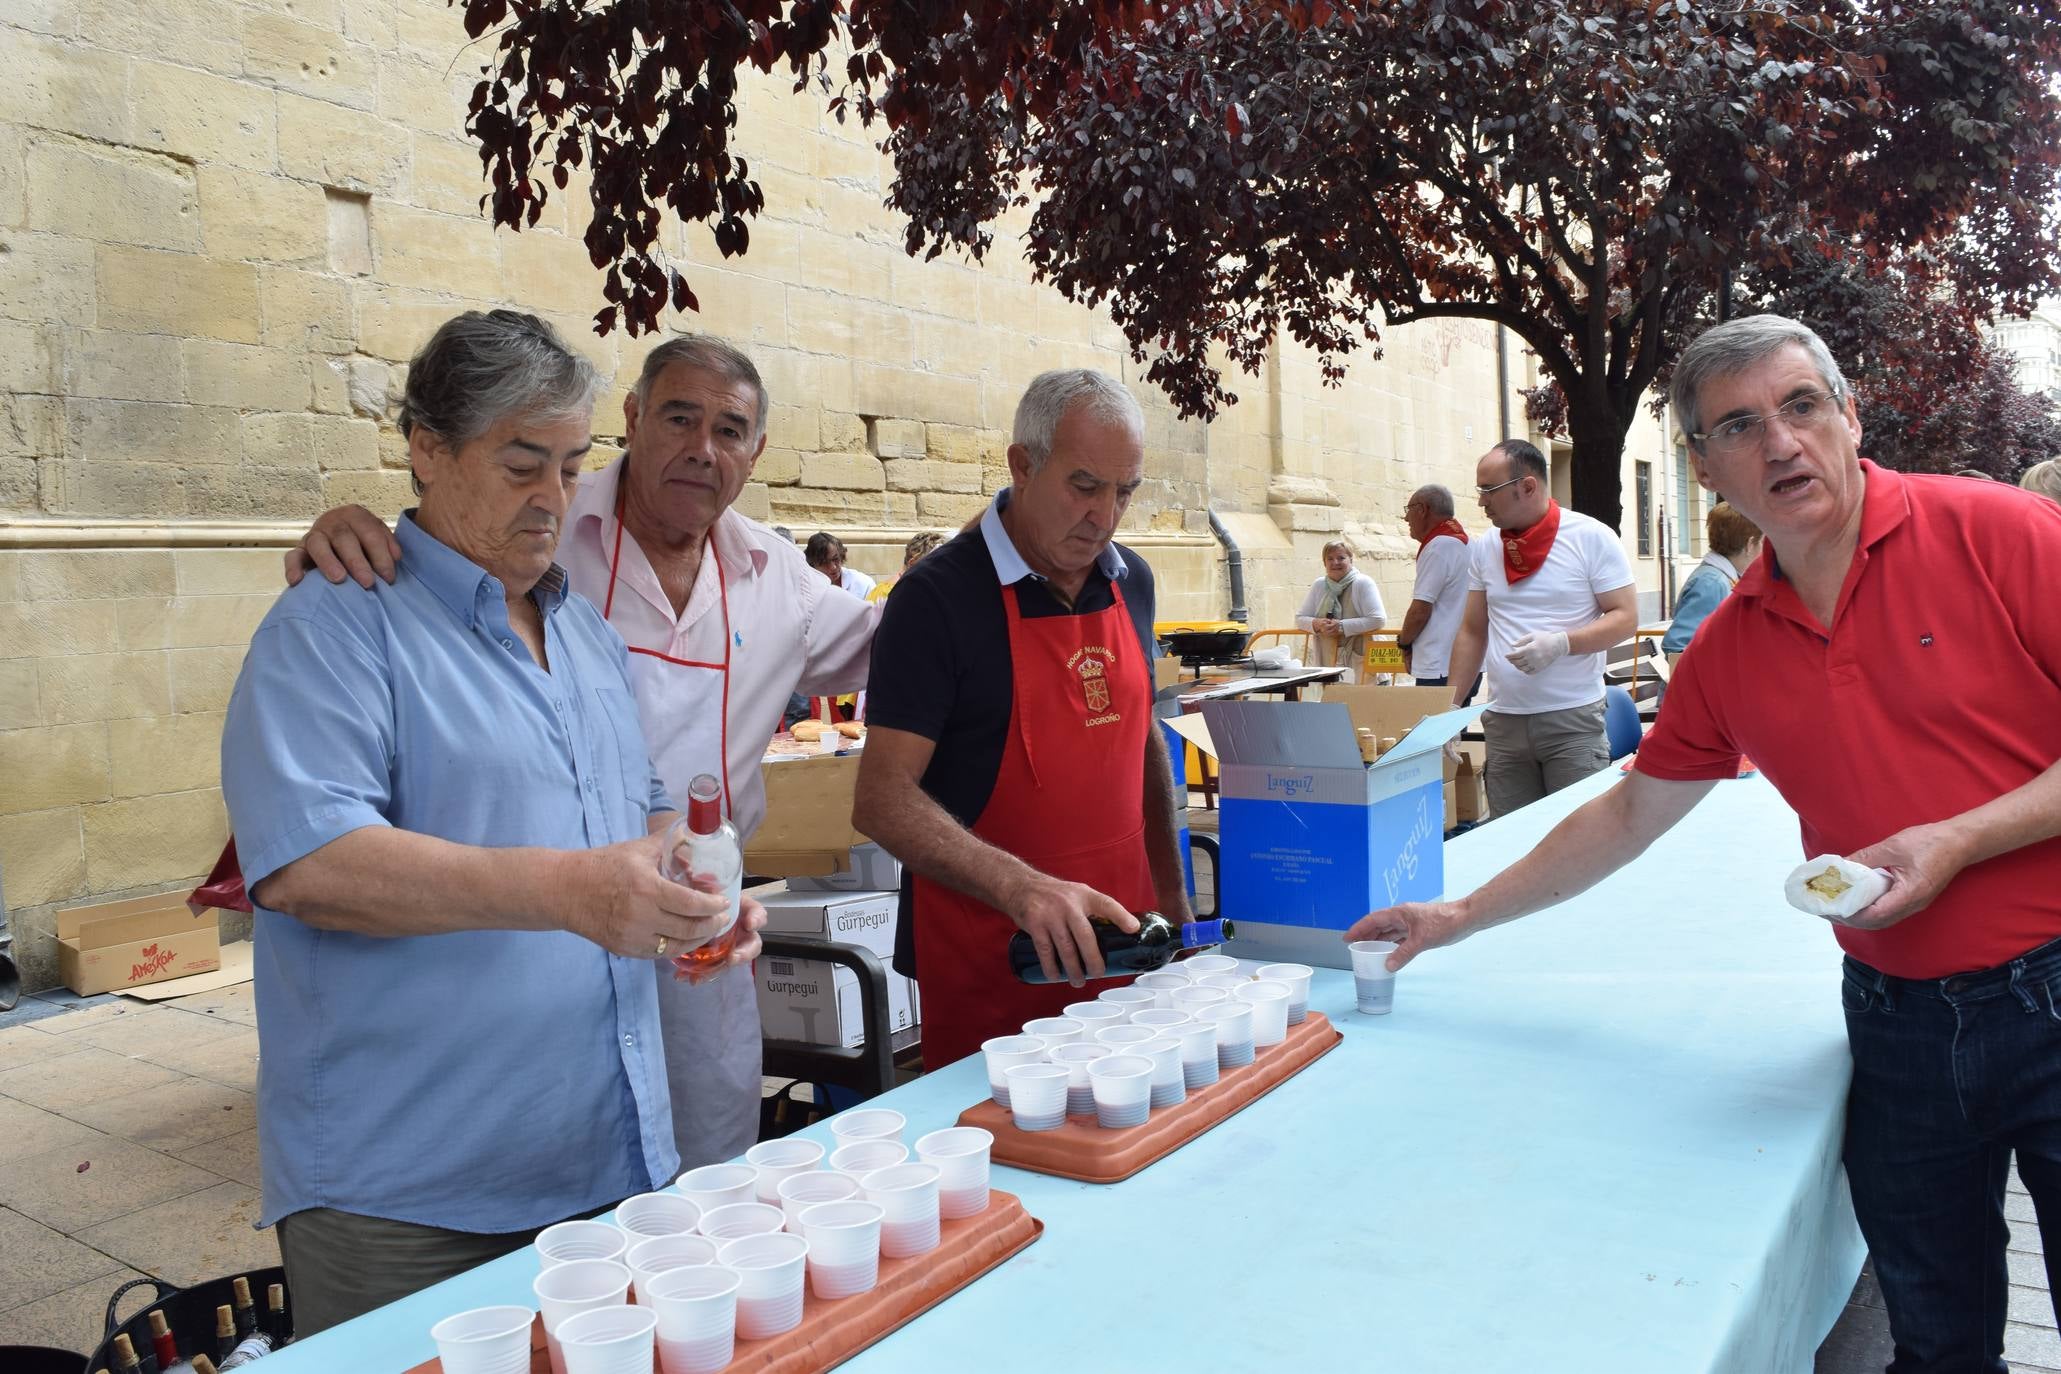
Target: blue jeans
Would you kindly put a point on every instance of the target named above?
(1950, 1077)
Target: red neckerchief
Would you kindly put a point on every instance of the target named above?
(1524, 552)
(1450, 525)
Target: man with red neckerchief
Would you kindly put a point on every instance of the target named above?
(1438, 598)
(1892, 663)
(1013, 763)
(1544, 604)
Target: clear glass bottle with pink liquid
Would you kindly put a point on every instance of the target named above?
(702, 852)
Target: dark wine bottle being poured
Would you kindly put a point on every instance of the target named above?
(1155, 944)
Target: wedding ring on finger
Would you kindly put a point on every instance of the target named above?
(661, 948)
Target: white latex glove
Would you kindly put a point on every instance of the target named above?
(1536, 652)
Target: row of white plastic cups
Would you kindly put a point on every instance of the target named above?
(702, 1293)
(1118, 1073)
(1222, 971)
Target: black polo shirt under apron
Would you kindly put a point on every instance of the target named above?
(941, 669)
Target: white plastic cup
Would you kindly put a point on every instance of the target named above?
(1269, 1002)
(770, 1271)
(1055, 1031)
(1198, 1041)
(576, 1286)
(1229, 982)
(1161, 984)
(1121, 1038)
(742, 1219)
(961, 1156)
(862, 1157)
(1003, 1053)
(657, 1214)
(1160, 1018)
(580, 1240)
(867, 1123)
(799, 1192)
(718, 1185)
(661, 1254)
(1037, 1096)
(1132, 999)
(1095, 1015)
(1297, 978)
(1123, 1090)
(1080, 1098)
(697, 1318)
(907, 1194)
(844, 1247)
(1202, 964)
(609, 1340)
(1373, 984)
(1169, 1085)
(486, 1340)
(776, 1159)
(1193, 998)
(1233, 1021)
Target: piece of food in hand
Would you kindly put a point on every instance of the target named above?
(1831, 886)
(810, 730)
(851, 729)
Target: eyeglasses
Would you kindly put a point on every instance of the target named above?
(1490, 491)
(1744, 433)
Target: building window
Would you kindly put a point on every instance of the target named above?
(1645, 509)
(1688, 506)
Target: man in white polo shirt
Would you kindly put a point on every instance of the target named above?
(1439, 598)
(1544, 604)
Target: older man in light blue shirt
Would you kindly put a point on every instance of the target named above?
(442, 798)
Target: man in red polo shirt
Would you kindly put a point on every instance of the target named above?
(1892, 663)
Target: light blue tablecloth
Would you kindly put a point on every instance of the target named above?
(1603, 1138)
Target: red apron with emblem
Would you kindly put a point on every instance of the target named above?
(1069, 801)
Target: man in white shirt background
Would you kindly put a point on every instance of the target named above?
(724, 621)
(1544, 604)
(1438, 600)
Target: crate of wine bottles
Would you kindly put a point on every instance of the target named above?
(223, 1324)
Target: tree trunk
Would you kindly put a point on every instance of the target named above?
(1596, 480)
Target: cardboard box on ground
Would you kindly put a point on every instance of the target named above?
(1313, 838)
(112, 946)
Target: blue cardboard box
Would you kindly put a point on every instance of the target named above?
(1313, 838)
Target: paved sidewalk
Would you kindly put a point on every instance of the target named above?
(128, 1146)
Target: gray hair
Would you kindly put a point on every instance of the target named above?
(2044, 478)
(481, 367)
(1730, 348)
(1051, 395)
(1438, 500)
(710, 354)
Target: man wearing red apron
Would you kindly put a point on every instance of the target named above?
(1012, 762)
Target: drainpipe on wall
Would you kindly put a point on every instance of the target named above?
(1236, 559)
(10, 976)
(1503, 430)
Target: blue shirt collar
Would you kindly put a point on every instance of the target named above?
(460, 583)
(1009, 565)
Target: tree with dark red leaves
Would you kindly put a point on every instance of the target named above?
(1214, 175)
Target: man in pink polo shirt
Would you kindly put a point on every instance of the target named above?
(1892, 663)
